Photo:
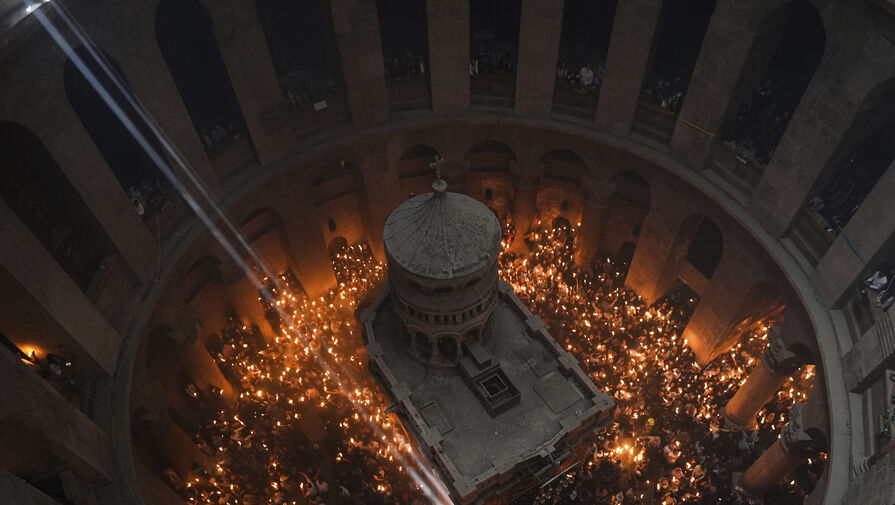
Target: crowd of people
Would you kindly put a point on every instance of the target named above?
(310, 425)
(148, 196)
(667, 94)
(304, 89)
(843, 195)
(668, 443)
(489, 63)
(405, 66)
(219, 136)
(588, 78)
(759, 124)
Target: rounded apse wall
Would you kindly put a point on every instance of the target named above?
(671, 227)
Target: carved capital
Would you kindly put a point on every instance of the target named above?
(795, 439)
(779, 359)
(597, 192)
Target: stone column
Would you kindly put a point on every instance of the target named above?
(789, 451)
(539, 34)
(597, 195)
(629, 51)
(448, 54)
(777, 364)
(357, 33)
(526, 178)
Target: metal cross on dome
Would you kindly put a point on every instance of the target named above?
(436, 165)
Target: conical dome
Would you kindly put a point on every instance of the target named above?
(441, 235)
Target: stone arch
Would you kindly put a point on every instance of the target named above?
(564, 165)
(302, 43)
(863, 154)
(337, 244)
(627, 210)
(494, 28)
(584, 40)
(449, 348)
(36, 189)
(416, 160)
(706, 247)
(335, 179)
(403, 29)
(490, 156)
(673, 57)
(184, 31)
(161, 341)
(203, 271)
(700, 235)
(561, 222)
(763, 303)
(781, 63)
(139, 177)
(263, 230)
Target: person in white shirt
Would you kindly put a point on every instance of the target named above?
(586, 76)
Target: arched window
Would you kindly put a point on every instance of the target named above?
(138, 175)
(490, 156)
(682, 27)
(586, 28)
(185, 35)
(705, 249)
(780, 65)
(564, 165)
(493, 51)
(34, 187)
(302, 44)
(403, 28)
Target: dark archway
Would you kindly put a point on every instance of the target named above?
(337, 245)
(681, 30)
(34, 187)
(416, 161)
(447, 347)
(866, 151)
(564, 165)
(302, 43)
(583, 45)
(493, 51)
(138, 175)
(404, 31)
(185, 34)
(777, 72)
(627, 211)
(490, 156)
(706, 247)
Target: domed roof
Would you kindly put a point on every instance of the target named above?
(442, 235)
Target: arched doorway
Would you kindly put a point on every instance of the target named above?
(493, 51)
(583, 45)
(863, 155)
(403, 28)
(185, 34)
(681, 30)
(777, 72)
(34, 187)
(628, 208)
(140, 178)
(303, 48)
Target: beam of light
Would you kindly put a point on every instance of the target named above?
(425, 477)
